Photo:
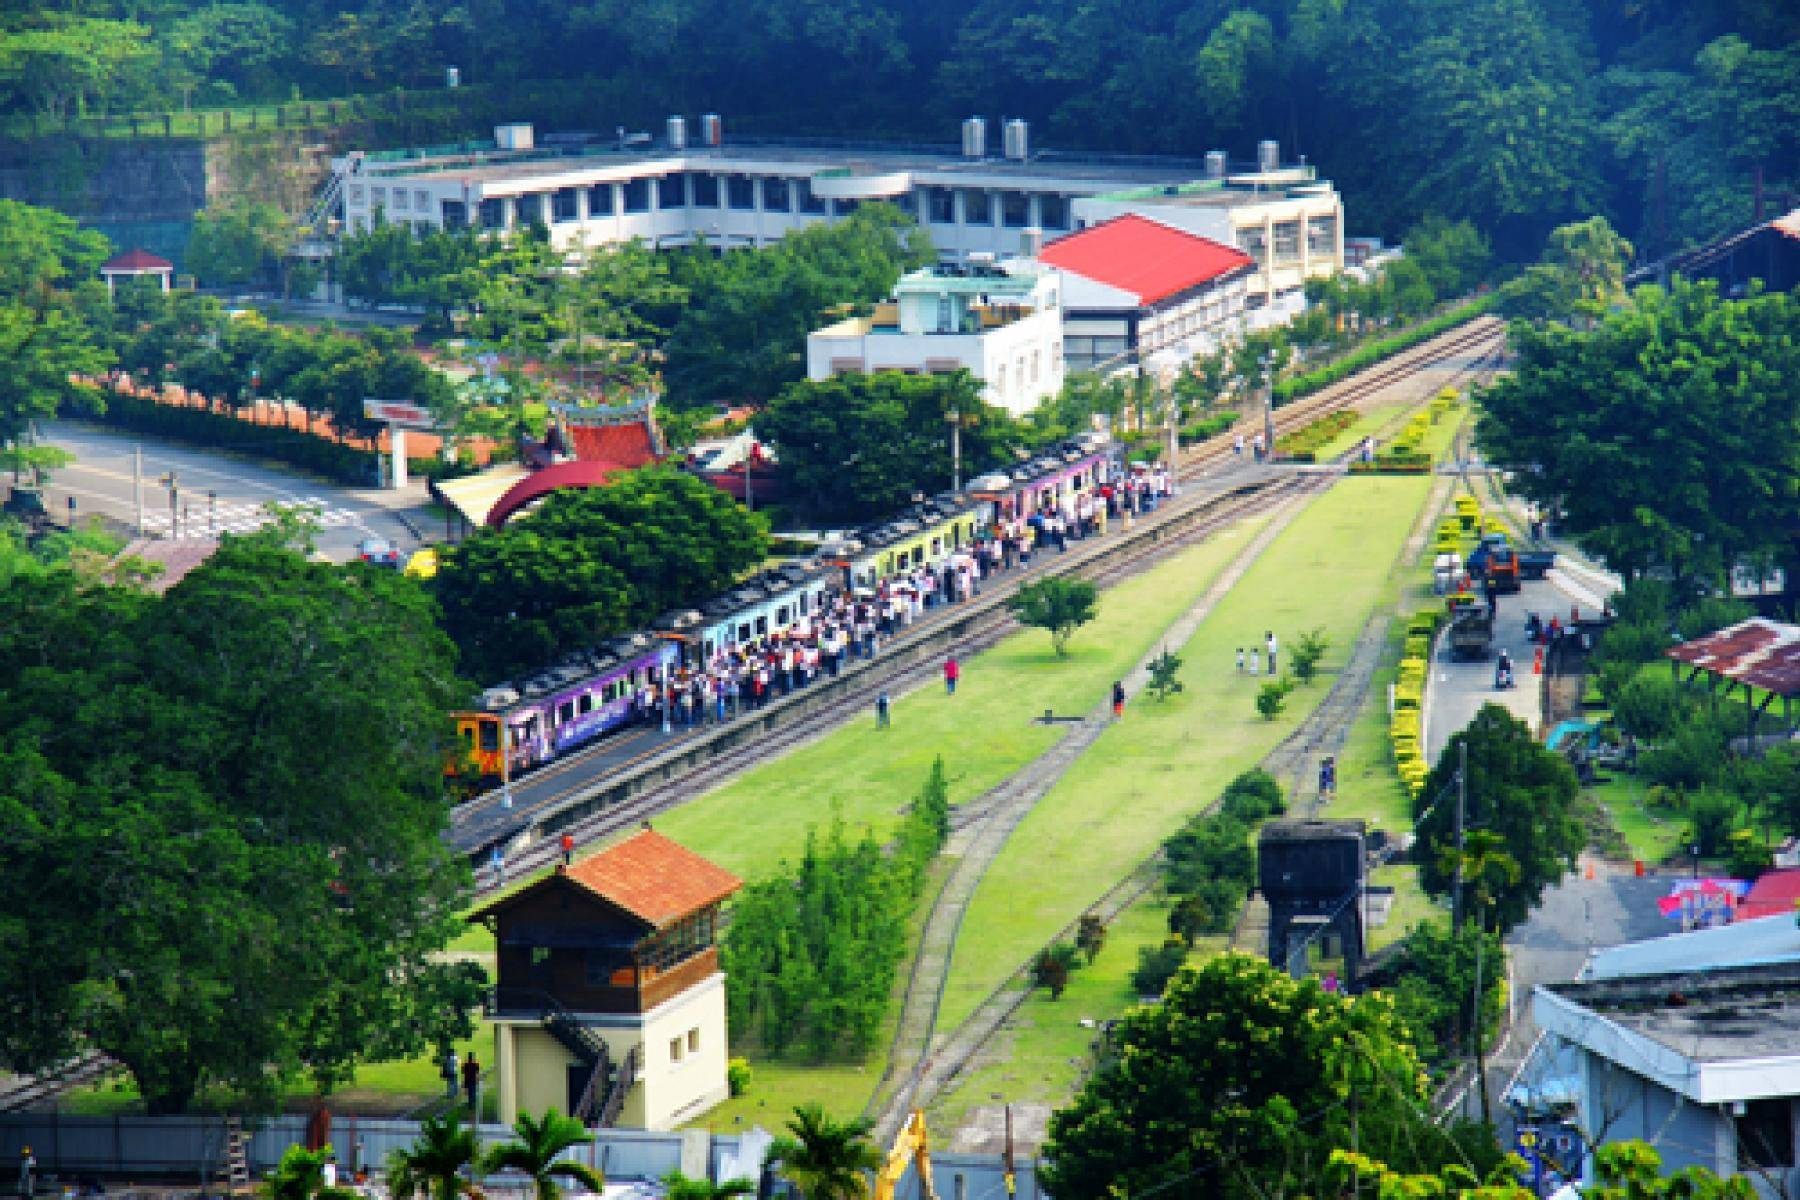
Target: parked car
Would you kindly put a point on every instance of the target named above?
(379, 552)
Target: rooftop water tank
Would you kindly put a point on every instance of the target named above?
(1215, 164)
(452, 77)
(1268, 155)
(974, 137)
(1016, 137)
(677, 127)
(712, 129)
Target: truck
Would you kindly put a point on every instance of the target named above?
(1471, 631)
(1536, 564)
(1496, 562)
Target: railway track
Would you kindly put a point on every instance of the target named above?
(934, 1068)
(784, 725)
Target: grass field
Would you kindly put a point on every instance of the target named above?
(865, 776)
(1045, 1051)
(1168, 759)
(1650, 836)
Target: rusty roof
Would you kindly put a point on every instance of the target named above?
(653, 878)
(1762, 653)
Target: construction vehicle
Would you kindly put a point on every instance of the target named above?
(1496, 563)
(1471, 630)
(912, 1147)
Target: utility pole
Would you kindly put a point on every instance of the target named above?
(1268, 373)
(1462, 806)
(137, 486)
(955, 419)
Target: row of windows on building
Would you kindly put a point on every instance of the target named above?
(740, 193)
(1321, 240)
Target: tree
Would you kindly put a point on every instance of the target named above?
(1234, 1086)
(436, 1165)
(826, 1159)
(1664, 433)
(588, 565)
(1306, 652)
(240, 242)
(1090, 935)
(239, 43)
(163, 756)
(1053, 966)
(1057, 603)
(1582, 275)
(1484, 868)
(1518, 792)
(536, 1151)
(1163, 671)
(1271, 697)
(1633, 1171)
(300, 1175)
(1434, 982)
(60, 63)
(49, 350)
(859, 447)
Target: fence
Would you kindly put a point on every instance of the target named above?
(192, 1148)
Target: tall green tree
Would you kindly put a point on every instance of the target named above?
(1669, 435)
(1519, 794)
(240, 242)
(174, 815)
(1058, 604)
(537, 1151)
(826, 1159)
(1237, 1085)
(857, 447)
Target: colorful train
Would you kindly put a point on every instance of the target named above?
(591, 692)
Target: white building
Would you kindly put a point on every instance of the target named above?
(1139, 292)
(743, 193)
(1703, 1062)
(1003, 325)
(1287, 219)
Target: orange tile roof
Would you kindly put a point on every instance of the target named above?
(653, 878)
(628, 445)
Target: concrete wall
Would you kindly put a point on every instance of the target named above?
(190, 1148)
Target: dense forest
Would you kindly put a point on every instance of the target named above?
(1516, 114)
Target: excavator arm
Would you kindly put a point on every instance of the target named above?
(912, 1147)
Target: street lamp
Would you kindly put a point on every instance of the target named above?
(1268, 374)
(954, 416)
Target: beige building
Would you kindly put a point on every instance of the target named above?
(610, 1003)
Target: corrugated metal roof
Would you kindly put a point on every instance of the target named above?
(1762, 653)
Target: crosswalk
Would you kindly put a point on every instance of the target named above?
(208, 519)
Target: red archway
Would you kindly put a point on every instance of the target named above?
(551, 479)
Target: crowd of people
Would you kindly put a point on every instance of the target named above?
(857, 620)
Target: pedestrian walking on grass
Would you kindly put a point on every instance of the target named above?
(1240, 660)
(881, 710)
(1118, 699)
(952, 672)
(1269, 641)
(471, 1081)
(1255, 661)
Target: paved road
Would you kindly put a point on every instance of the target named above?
(1459, 689)
(217, 493)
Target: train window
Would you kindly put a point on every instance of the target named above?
(762, 626)
(585, 704)
(565, 712)
(937, 545)
(781, 615)
(467, 733)
(490, 737)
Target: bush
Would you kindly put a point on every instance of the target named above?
(1712, 816)
(1157, 965)
(1651, 707)
(1271, 698)
(1053, 966)
(1303, 444)
(1691, 758)
(1374, 352)
(1306, 652)
(343, 464)
(1252, 796)
(738, 1076)
(1206, 427)
(1090, 935)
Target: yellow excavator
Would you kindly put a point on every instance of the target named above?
(912, 1147)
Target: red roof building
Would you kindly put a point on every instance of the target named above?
(1774, 894)
(1137, 291)
(654, 878)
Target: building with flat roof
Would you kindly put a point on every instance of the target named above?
(744, 192)
(1002, 324)
(1703, 1064)
(1140, 292)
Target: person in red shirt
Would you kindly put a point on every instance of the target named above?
(952, 672)
(568, 849)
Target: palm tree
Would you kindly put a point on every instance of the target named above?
(434, 1165)
(824, 1158)
(540, 1142)
(1486, 867)
(680, 1187)
(301, 1176)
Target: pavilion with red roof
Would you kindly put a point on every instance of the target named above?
(609, 1002)
(1137, 291)
(136, 264)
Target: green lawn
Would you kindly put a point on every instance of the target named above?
(1651, 836)
(1369, 424)
(1045, 1051)
(864, 776)
(1169, 759)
